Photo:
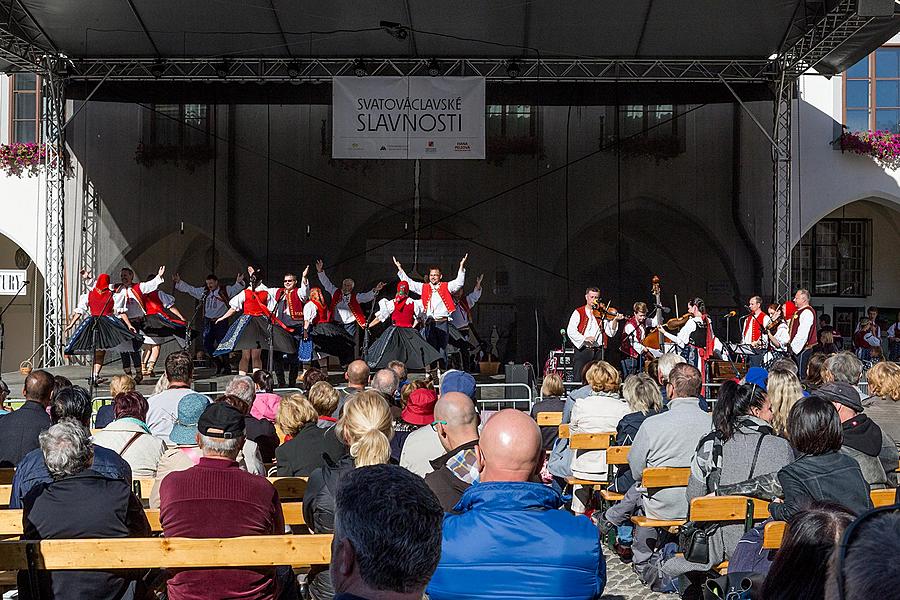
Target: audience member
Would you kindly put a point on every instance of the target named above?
(800, 567)
(324, 399)
(598, 412)
(843, 367)
(303, 453)
(552, 400)
(19, 429)
(163, 411)
(499, 545)
(80, 503)
(784, 390)
(365, 426)
(786, 364)
(261, 437)
(215, 498)
(313, 376)
(399, 369)
(642, 396)
(249, 457)
(418, 412)
(422, 445)
(72, 403)
(184, 451)
(266, 401)
(882, 405)
(821, 472)
(863, 440)
(4, 395)
(814, 369)
(60, 382)
(118, 384)
(664, 368)
(863, 564)
(395, 559)
(456, 423)
(386, 382)
(668, 439)
(559, 463)
(357, 378)
(129, 437)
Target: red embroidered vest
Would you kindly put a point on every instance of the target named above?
(154, 306)
(136, 290)
(322, 314)
(292, 303)
(813, 338)
(355, 308)
(753, 324)
(583, 323)
(443, 291)
(627, 343)
(404, 314)
(100, 303)
(859, 340)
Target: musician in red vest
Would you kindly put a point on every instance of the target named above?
(633, 350)
(214, 298)
(803, 330)
(162, 320)
(865, 340)
(345, 303)
(130, 296)
(437, 302)
(588, 332)
(755, 325)
(289, 302)
(461, 319)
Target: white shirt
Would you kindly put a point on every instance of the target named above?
(684, 334)
(894, 331)
(386, 309)
(237, 303)
(783, 334)
(802, 336)
(628, 330)
(83, 309)
(747, 337)
(126, 297)
(213, 306)
(342, 312)
(166, 300)
(436, 308)
(458, 318)
(591, 330)
(420, 448)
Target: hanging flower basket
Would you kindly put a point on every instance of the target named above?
(22, 159)
(882, 146)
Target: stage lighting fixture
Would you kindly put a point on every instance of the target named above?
(395, 30)
(293, 70)
(359, 68)
(222, 70)
(433, 68)
(512, 69)
(157, 69)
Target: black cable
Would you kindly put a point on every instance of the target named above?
(268, 181)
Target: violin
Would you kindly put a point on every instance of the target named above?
(773, 325)
(676, 323)
(604, 311)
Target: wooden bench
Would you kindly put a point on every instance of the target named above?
(564, 431)
(6, 476)
(615, 456)
(589, 441)
(657, 478)
(289, 488)
(722, 509)
(549, 419)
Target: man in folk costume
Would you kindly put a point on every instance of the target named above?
(437, 302)
(131, 298)
(632, 344)
(589, 332)
(161, 321)
(214, 298)
(345, 303)
(289, 301)
(696, 341)
(101, 328)
(865, 340)
(755, 325)
(251, 332)
(803, 330)
(400, 341)
(463, 338)
(322, 337)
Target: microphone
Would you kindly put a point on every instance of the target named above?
(731, 314)
(562, 332)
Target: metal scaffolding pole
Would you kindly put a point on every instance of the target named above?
(90, 217)
(781, 190)
(53, 137)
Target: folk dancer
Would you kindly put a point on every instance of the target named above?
(345, 306)
(250, 333)
(752, 335)
(589, 333)
(437, 302)
(865, 341)
(101, 329)
(290, 300)
(696, 340)
(631, 346)
(214, 298)
(130, 296)
(162, 321)
(803, 330)
(400, 342)
(322, 337)
(779, 335)
(462, 337)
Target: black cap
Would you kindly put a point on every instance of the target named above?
(840, 392)
(221, 421)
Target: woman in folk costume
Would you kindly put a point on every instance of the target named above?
(162, 321)
(695, 340)
(101, 329)
(400, 341)
(322, 336)
(250, 332)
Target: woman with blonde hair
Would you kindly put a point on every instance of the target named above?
(366, 427)
(302, 452)
(598, 412)
(553, 399)
(783, 390)
(118, 384)
(884, 394)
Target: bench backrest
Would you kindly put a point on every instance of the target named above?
(6, 476)
(591, 441)
(665, 477)
(549, 419)
(727, 508)
(289, 488)
(617, 455)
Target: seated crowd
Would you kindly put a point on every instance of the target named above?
(424, 494)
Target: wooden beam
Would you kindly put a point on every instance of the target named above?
(665, 477)
(726, 508)
(549, 419)
(590, 441)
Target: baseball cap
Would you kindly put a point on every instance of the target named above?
(841, 392)
(220, 420)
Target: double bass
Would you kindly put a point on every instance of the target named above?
(655, 338)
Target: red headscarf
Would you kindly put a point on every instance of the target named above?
(102, 285)
(789, 309)
(402, 294)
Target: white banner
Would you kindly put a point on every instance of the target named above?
(407, 117)
(11, 280)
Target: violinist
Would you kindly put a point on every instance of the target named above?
(778, 331)
(803, 329)
(695, 340)
(633, 350)
(754, 325)
(589, 328)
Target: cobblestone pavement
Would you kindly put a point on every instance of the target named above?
(623, 584)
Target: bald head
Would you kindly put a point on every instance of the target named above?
(509, 447)
(458, 411)
(358, 373)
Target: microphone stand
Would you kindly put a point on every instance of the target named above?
(271, 334)
(365, 343)
(188, 335)
(3, 312)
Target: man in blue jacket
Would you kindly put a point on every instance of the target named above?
(510, 538)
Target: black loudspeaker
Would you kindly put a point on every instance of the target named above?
(875, 8)
(205, 386)
(565, 365)
(518, 374)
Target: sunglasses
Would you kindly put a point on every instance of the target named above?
(434, 424)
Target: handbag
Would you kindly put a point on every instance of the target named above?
(305, 350)
(733, 586)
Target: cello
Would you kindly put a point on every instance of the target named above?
(654, 338)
